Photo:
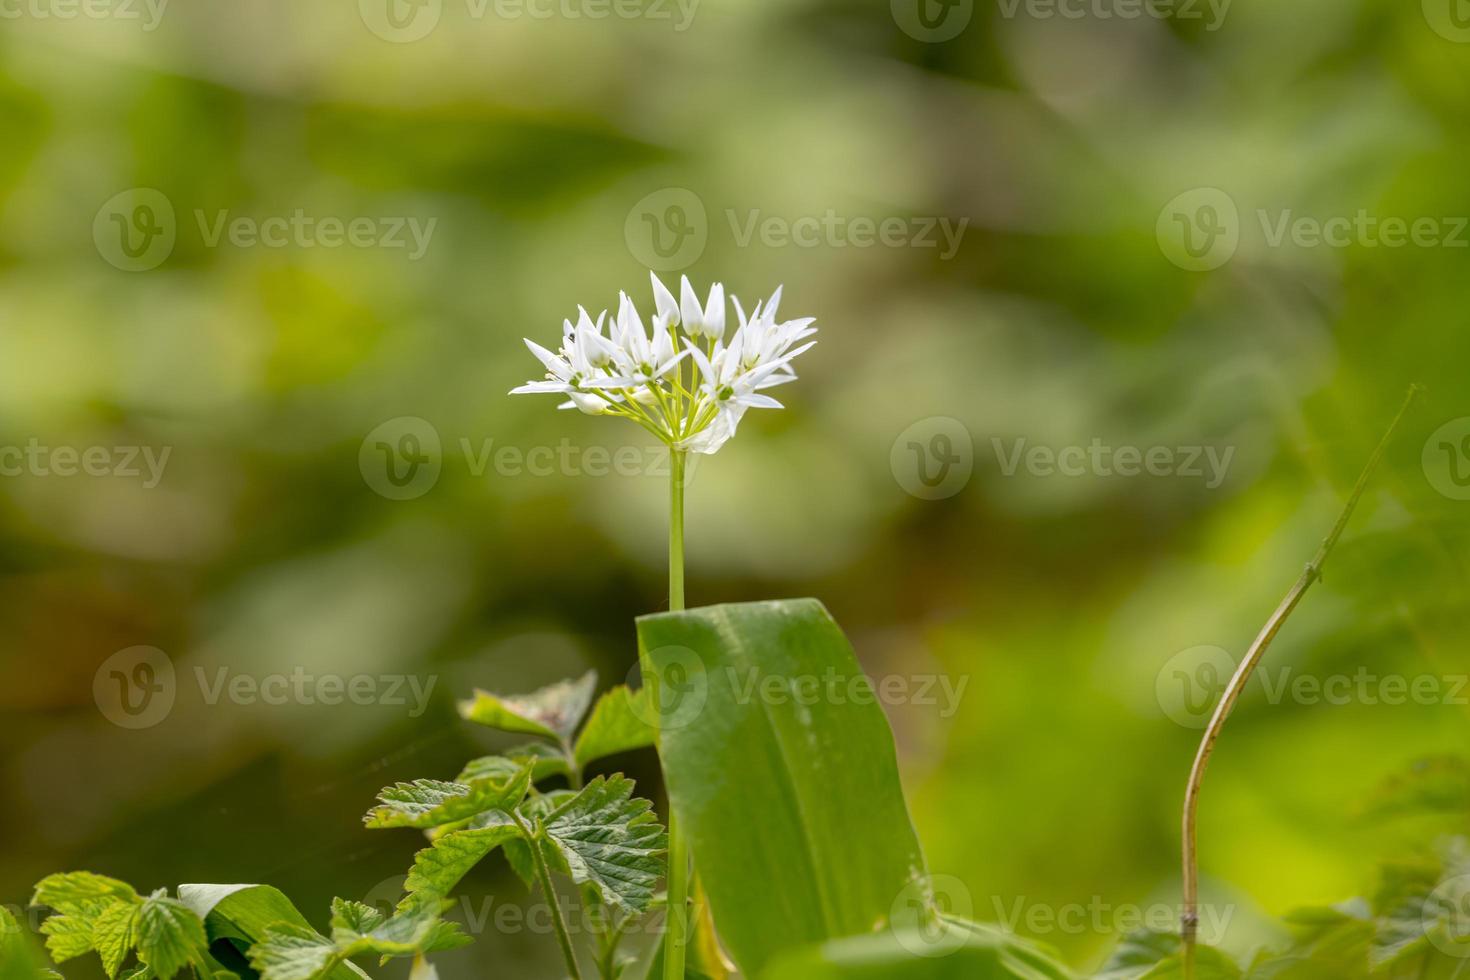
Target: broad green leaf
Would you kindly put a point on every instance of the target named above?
(552, 712)
(545, 761)
(169, 935)
(610, 838)
(792, 803)
(113, 935)
(242, 914)
(950, 951)
(438, 869)
(619, 723)
(432, 803)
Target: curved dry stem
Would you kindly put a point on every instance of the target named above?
(1189, 923)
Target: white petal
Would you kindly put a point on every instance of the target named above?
(754, 400)
(540, 387)
(664, 301)
(691, 316)
(714, 312)
(556, 365)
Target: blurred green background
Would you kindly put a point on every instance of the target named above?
(540, 150)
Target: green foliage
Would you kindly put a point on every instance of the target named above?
(804, 836)
(553, 712)
(619, 722)
(610, 839)
(96, 913)
(947, 949)
(293, 952)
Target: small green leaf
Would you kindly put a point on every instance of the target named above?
(169, 935)
(294, 953)
(610, 838)
(113, 935)
(81, 899)
(432, 803)
(518, 852)
(436, 870)
(552, 712)
(619, 723)
(545, 760)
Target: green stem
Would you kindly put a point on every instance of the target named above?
(678, 938)
(543, 874)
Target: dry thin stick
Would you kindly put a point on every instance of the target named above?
(1189, 923)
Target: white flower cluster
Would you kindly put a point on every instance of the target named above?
(694, 406)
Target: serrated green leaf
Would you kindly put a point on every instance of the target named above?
(112, 935)
(80, 899)
(169, 936)
(242, 914)
(620, 722)
(518, 852)
(74, 890)
(610, 838)
(553, 712)
(804, 835)
(294, 953)
(438, 869)
(428, 803)
(545, 761)
(70, 936)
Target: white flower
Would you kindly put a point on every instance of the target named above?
(642, 377)
(709, 321)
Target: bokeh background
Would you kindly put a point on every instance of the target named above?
(1115, 182)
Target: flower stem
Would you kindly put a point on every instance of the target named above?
(1189, 924)
(677, 939)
